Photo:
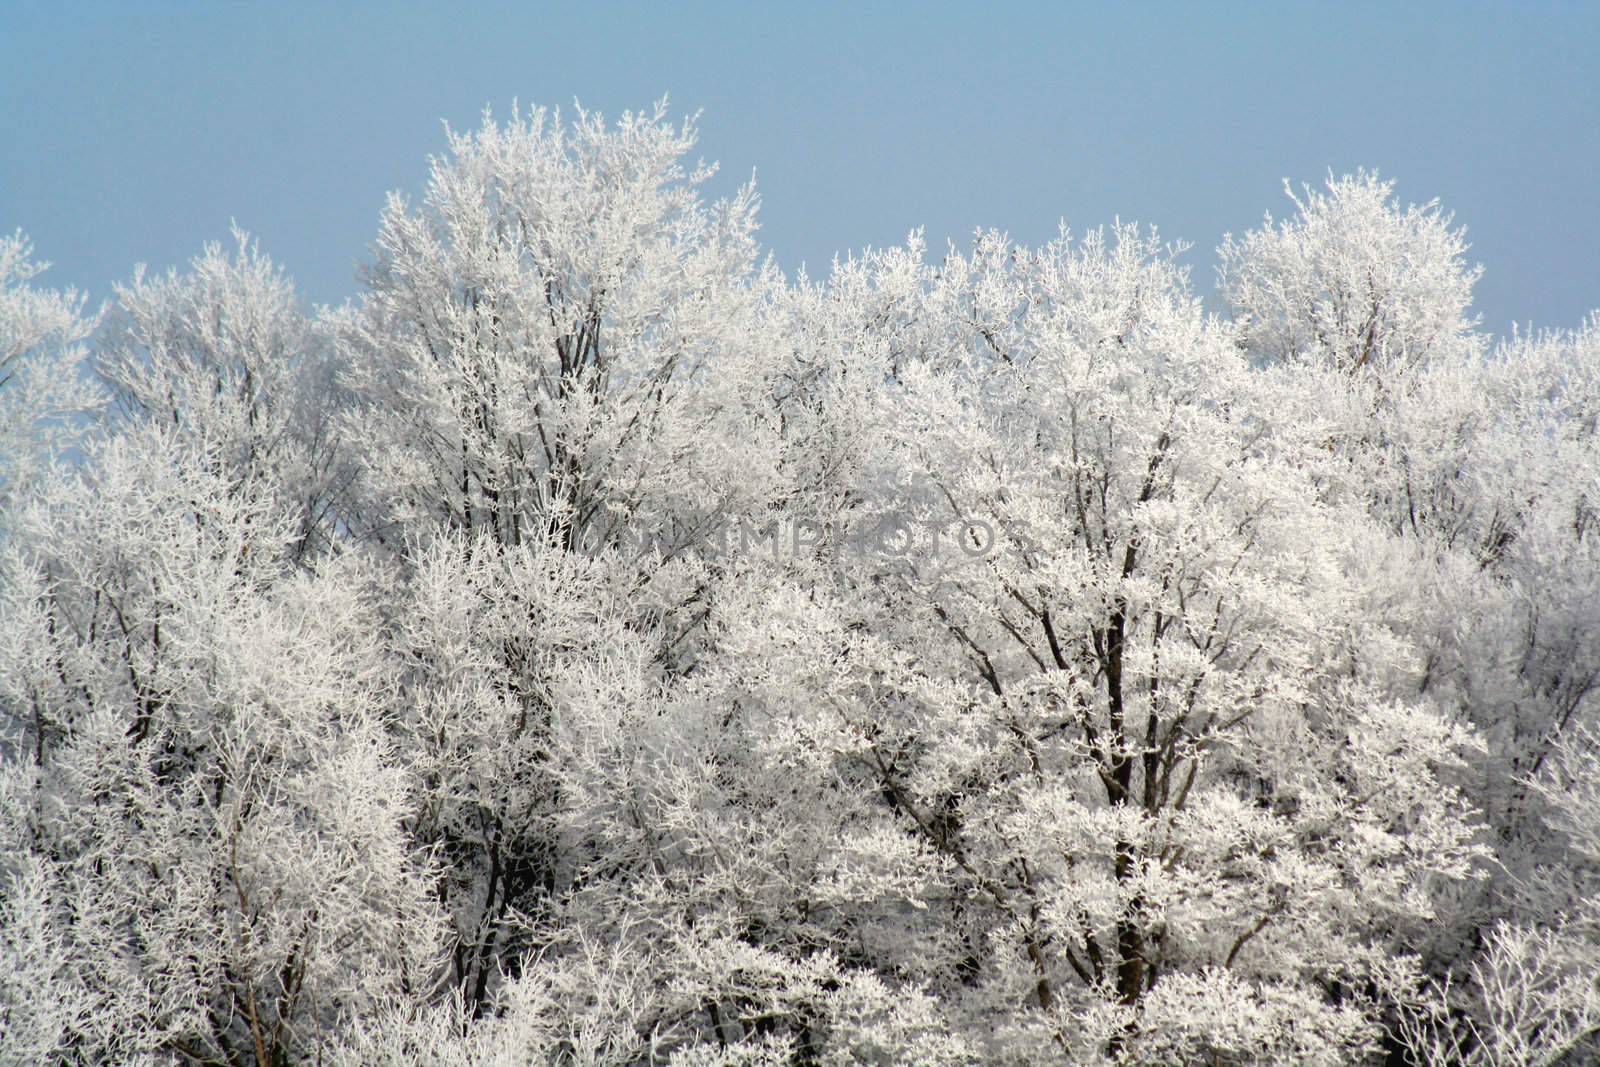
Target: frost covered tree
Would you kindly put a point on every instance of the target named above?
(204, 818)
(1352, 280)
(1482, 471)
(1134, 671)
(1500, 457)
(561, 342)
(557, 373)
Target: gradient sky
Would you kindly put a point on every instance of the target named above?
(135, 131)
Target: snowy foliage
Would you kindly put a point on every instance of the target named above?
(591, 647)
(1352, 280)
(41, 344)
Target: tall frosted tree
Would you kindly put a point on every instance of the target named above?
(562, 341)
(560, 353)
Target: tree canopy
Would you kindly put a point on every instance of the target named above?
(590, 646)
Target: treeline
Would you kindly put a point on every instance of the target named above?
(1119, 683)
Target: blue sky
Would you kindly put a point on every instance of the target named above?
(135, 131)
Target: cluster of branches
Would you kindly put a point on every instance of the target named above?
(377, 684)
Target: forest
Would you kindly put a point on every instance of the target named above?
(591, 645)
